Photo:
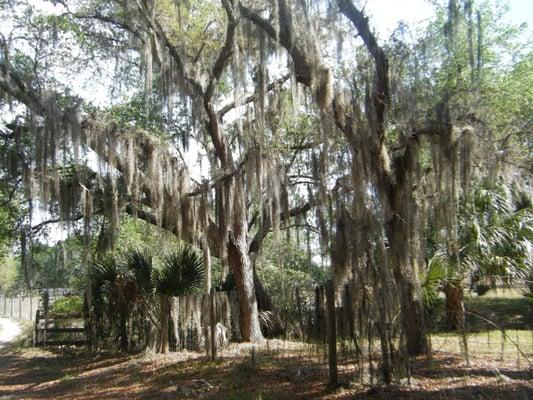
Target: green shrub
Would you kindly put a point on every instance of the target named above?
(68, 305)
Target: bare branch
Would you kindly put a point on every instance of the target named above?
(225, 52)
(271, 86)
(302, 64)
(381, 95)
(118, 24)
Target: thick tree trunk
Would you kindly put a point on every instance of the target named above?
(163, 319)
(264, 303)
(455, 309)
(244, 280)
(413, 319)
(412, 309)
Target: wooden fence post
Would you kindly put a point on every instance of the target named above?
(31, 305)
(299, 310)
(332, 334)
(212, 322)
(320, 314)
(36, 334)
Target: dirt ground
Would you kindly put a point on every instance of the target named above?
(270, 372)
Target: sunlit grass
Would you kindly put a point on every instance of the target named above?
(491, 343)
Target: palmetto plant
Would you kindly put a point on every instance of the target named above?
(140, 263)
(494, 241)
(182, 273)
(114, 292)
(117, 287)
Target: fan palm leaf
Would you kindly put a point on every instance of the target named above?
(139, 262)
(182, 273)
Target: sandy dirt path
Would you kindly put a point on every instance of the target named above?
(9, 330)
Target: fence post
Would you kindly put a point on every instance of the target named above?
(319, 314)
(332, 334)
(36, 332)
(212, 322)
(299, 310)
(31, 305)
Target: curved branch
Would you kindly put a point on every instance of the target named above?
(225, 52)
(250, 99)
(381, 95)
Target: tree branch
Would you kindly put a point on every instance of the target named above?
(225, 52)
(272, 85)
(381, 95)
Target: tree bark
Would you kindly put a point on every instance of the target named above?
(413, 320)
(163, 317)
(244, 280)
(455, 309)
(123, 330)
(412, 309)
(264, 303)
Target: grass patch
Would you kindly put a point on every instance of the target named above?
(491, 343)
(507, 312)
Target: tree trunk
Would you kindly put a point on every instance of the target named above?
(163, 318)
(412, 309)
(413, 319)
(244, 280)
(455, 309)
(123, 330)
(264, 303)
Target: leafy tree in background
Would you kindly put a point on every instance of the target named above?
(368, 144)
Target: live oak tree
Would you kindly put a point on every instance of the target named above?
(298, 113)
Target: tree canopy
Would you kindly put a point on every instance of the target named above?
(221, 122)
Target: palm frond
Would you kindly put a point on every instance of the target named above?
(102, 273)
(182, 273)
(433, 278)
(139, 262)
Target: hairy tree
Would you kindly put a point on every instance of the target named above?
(375, 139)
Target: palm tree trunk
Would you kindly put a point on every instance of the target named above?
(123, 330)
(163, 317)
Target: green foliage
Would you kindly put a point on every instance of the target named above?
(182, 273)
(9, 277)
(10, 213)
(128, 283)
(140, 263)
(68, 305)
(59, 265)
(495, 240)
(431, 281)
(135, 233)
(283, 265)
(138, 113)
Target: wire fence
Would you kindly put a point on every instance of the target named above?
(23, 304)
